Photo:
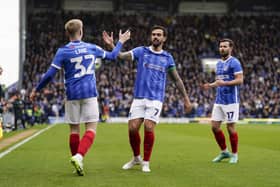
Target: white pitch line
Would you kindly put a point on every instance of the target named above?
(23, 141)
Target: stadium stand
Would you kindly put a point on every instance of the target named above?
(190, 38)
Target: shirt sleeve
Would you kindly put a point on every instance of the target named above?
(99, 52)
(171, 65)
(58, 59)
(237, 68)
(136, 53)
(48, 76)
(112, 55)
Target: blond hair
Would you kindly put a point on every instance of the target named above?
(73, 27)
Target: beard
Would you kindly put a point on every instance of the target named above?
(156, 43)
(224, 54)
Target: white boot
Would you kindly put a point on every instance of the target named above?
(137, 160)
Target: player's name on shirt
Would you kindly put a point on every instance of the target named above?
(81, 50)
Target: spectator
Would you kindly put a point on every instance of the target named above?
(256, 47)
(18, 108)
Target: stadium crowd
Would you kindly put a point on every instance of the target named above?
(190, 38)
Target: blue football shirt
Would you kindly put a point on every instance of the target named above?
(152, 68)
(226, 70)
(77, 58)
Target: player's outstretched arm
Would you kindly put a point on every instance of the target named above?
(44, 81)
(108, 39)
(123, 37)
(180, 85)
(125, 56)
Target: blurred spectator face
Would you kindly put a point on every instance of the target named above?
(157, 37)
(225, 49)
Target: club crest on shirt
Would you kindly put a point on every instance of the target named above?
(146, 56)
(162, 60)
(225, 67)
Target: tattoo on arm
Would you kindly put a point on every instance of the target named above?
(178, 81)
(125, 56)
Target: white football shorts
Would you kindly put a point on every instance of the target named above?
(82, 111)
(228, 113)
(145, 108)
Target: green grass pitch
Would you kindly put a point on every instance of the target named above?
(181, 156)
